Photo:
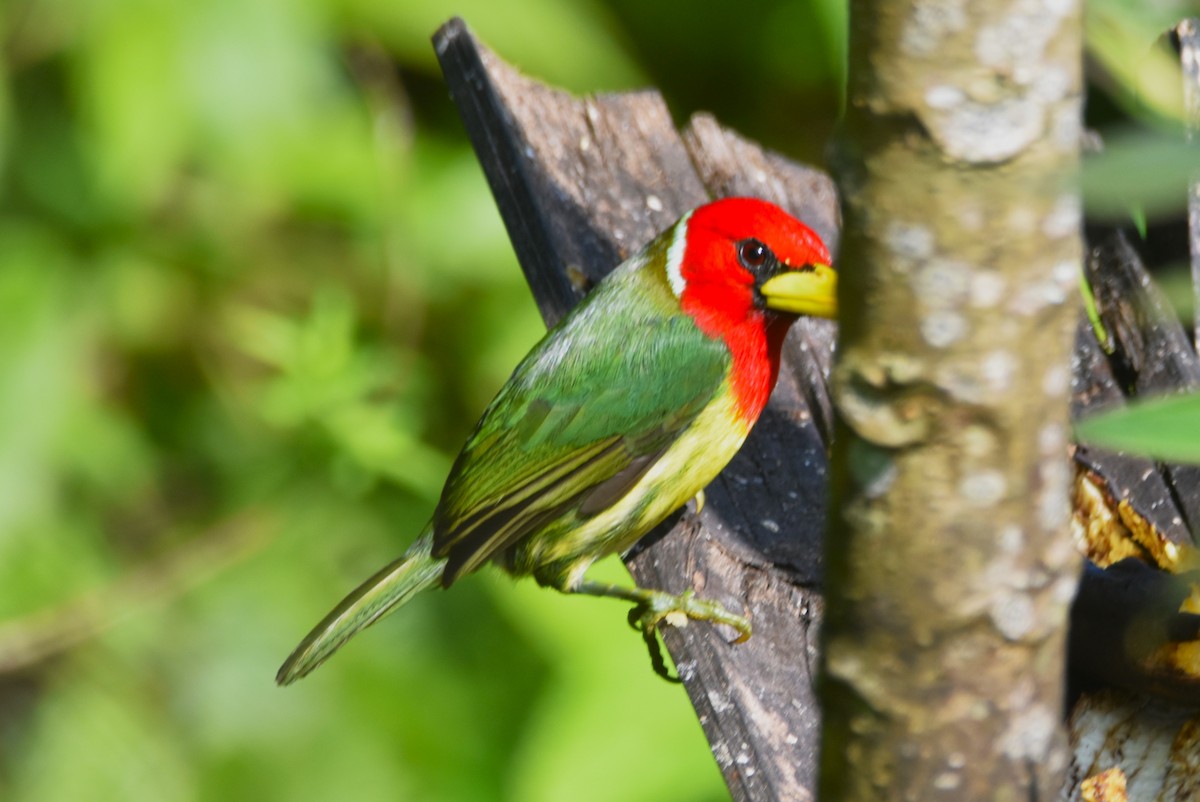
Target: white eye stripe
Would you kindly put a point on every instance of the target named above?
(675, 255)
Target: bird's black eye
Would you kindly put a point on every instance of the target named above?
(753, 254)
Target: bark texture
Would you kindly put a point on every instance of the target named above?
(949, 562)
(582, 183)
(1133, 643)
(1188, 33)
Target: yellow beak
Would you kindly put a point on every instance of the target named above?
(803, 292)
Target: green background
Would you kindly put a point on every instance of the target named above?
(253, 294)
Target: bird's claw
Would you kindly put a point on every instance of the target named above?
(646, 616)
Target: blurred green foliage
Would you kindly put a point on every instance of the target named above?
(254, 293)
(1142, 177)
(1164, 427)
(1144, 167)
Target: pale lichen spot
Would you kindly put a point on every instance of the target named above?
(1056, 381)
(719, 701)
(585, 144)
(1050, 84)
(961, 383)
(1063, 552)
(947, 781)
(1019, 37)
(1050, 293)
(1011, 539)
(1066, 273)
(1057, 474)
(1030, 733)
(987, 289)
(943, 328)
(653, 203)
(943, 96)
(909, 240)
(998, 368)
(978, 441)
(770, 525)
(1052, 438)
(1037, 296)
(970, 216)
(1064, 590)
(900, 368)
(1059, 8)
(929, 24)
(1065, 218)
(1053, 507)
(983, 488)
(985, 89)
(942, 283)
(1013, 615)
(1066, 127)
(1053, 511)
(987, 133)
(1021, 220)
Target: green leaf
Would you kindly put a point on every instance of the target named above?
(1127, 42)
(1166, 428)
(1145, 172)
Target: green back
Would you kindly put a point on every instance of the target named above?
(583, 416)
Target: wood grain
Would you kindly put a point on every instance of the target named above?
(581, 184)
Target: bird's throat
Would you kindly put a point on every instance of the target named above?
(754, 348)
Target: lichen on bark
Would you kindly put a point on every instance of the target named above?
(950, 566)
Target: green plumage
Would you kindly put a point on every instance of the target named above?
(575, 430)
(580, 420)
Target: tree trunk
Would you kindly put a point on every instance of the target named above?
(949, 562)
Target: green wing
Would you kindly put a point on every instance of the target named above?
(582, 418)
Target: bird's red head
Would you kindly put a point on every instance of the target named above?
(743, 269)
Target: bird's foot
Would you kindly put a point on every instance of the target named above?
(676, 610)
(652, 607)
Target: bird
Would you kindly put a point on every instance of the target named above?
(622, 413)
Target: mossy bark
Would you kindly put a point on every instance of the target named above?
(950, 565)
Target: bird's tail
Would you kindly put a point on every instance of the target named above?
(370, 601)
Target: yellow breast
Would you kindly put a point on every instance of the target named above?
(691, 462)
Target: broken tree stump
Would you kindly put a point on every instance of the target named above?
(582, 184)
